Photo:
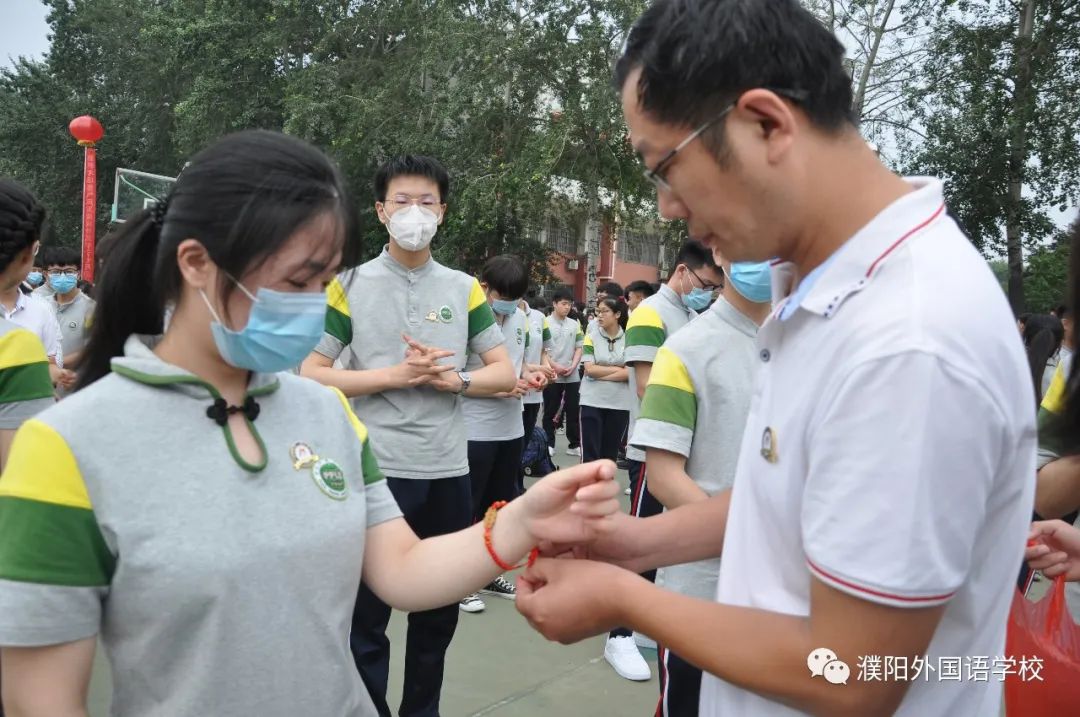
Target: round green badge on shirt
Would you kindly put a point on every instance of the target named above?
(330, 479)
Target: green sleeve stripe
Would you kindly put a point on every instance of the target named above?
(52, 544)
(669, 405)
(547, 334)
(645, 336)
(480, 319)
(1051, 435)
(338, 325)
(372, 472)
(527, 334)
(26, 382)
(588, 350)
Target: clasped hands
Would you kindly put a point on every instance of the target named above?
(588, 556)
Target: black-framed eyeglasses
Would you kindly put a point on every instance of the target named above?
(656, 177)
(704, 285)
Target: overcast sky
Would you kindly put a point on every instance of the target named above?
(23, 31)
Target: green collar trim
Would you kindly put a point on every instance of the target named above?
(188, 379)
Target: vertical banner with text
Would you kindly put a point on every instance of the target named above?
(89, 214)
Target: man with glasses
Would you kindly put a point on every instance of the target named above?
(884, 483)
(689, 289)
(410, 323)
(74, 310)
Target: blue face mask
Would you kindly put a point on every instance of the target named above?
(34, 278)
(62, 283)
(504, 306)
(752, 279)
(698, 299)
(282, 330)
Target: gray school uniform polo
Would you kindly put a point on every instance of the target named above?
(499, 419)
(600, 349)
(417, 432)
(217, 587)
(696, 405)
(566, 337)
(650, 325)
(74, 318)
(539, 340)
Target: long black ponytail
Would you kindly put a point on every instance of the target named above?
(22, 221)
(242, 197)
(1043, 334)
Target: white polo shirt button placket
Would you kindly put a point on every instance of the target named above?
(889, 451)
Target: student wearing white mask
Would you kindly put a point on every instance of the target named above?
(410, 323)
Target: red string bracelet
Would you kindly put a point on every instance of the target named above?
(489, 524)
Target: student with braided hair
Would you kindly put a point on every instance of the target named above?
(25, 387)
(22, 220)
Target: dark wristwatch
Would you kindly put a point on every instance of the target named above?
(466, 381)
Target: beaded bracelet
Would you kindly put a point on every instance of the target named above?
(489, 524)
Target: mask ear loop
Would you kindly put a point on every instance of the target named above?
(213, 311)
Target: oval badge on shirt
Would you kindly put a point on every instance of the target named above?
(330, 479)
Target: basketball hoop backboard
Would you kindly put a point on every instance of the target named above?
(135, 191)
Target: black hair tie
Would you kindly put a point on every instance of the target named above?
(157, 214)
(220, 411)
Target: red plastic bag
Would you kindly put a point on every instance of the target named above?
(1044, 630)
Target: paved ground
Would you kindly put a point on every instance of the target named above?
(498, 666)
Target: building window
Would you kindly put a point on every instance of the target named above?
(561, 238)
(639, 247)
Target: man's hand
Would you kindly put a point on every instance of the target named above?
(570, 600)
(1054, 549)
(520, 390)
(534, 380)
(67, 379)
(616, 545)
(447, 382)
(421, 365)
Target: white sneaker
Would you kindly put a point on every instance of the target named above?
(573, 452)
(623, 656)
(644, 641)
(551, 450)
(472, 603)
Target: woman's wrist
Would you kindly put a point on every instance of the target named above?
(511, 537)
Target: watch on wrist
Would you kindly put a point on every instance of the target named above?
(466, 381)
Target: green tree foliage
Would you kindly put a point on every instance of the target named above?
(1046, 277)
(996, 99)
(509, 94)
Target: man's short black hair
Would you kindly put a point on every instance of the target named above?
(698, 56)
(44, 256)
(561, 295)
(695, 256)
(62, 256)
(610, 288)
(412, 165)
(507, 275)
(537, 302)
(642, 287)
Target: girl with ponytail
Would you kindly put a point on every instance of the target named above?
(206, 512)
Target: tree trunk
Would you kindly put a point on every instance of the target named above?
(864, 77)
(1018, 155)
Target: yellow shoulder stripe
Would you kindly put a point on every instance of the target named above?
(357, 424)
(669, 370)
(588, 341)
(20, 347)
(476, 295)
(546, 323)
(645, 316)
(1054, 400)
(336, 298)
(42, 468)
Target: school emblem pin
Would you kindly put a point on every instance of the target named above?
(432, 316)
(302, 456)
(330, 479)
(768, 445)
(446, 314)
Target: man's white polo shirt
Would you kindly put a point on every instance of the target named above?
(889, 452)
(34, 314)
